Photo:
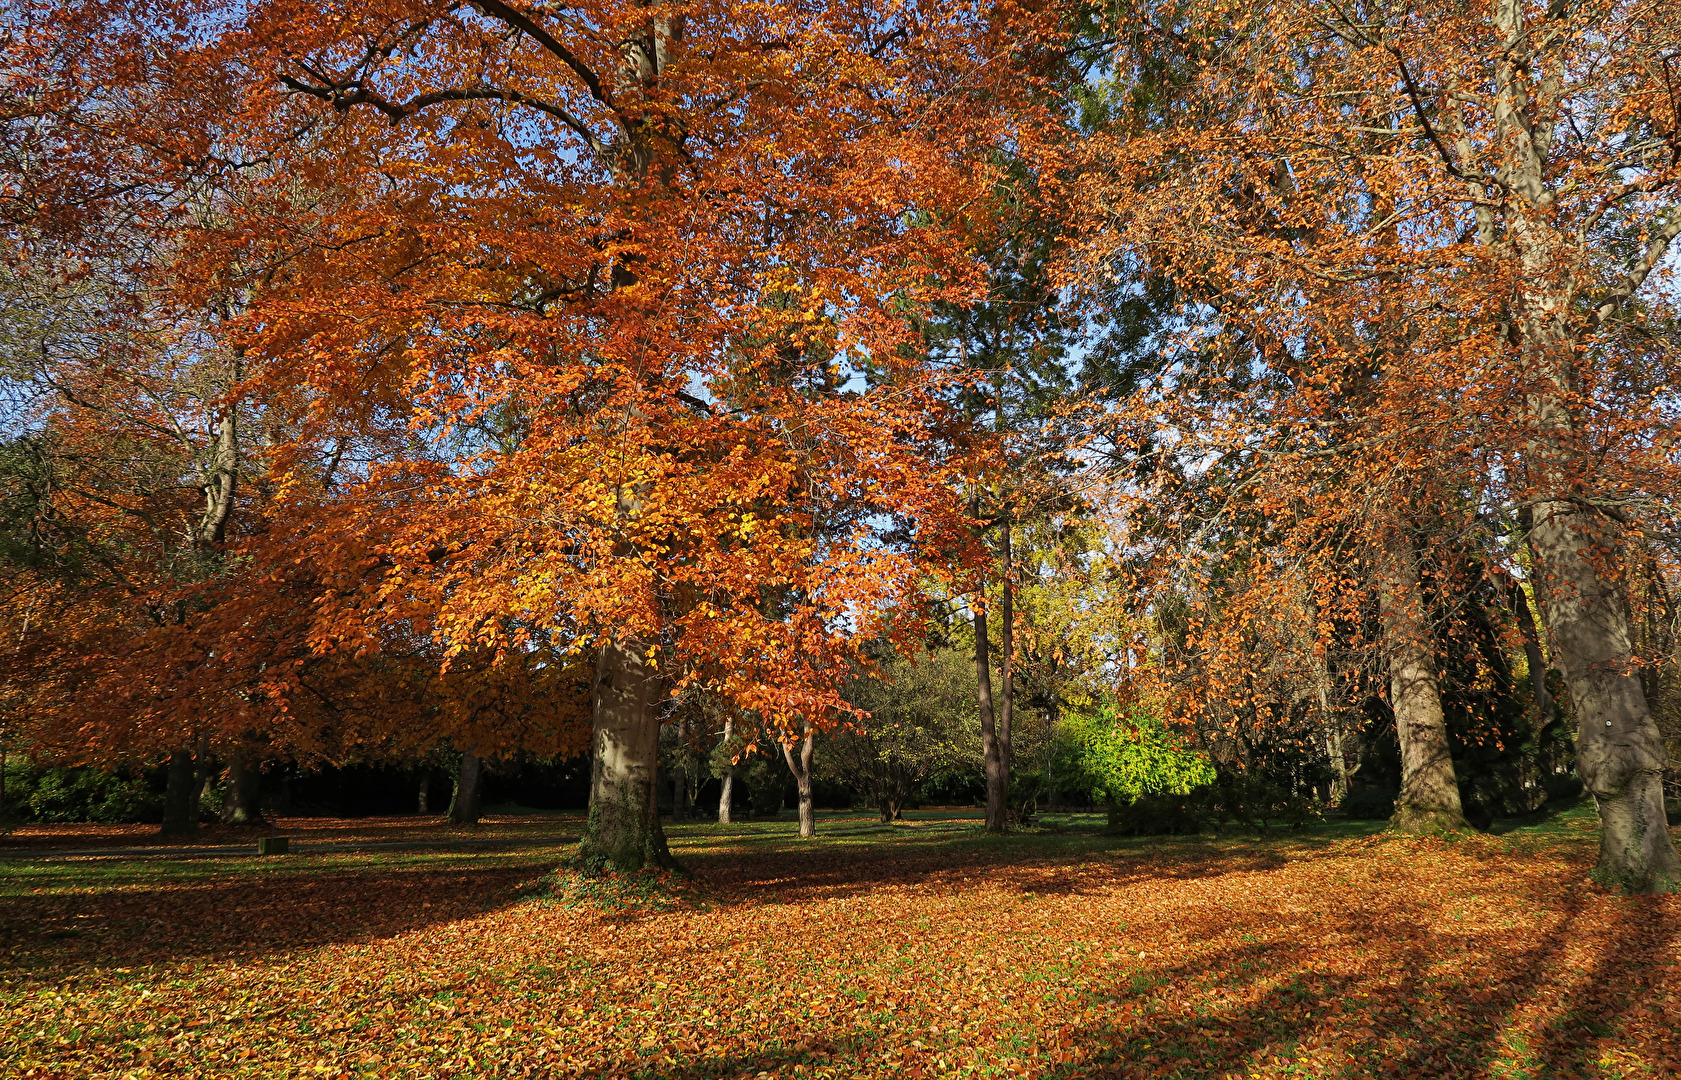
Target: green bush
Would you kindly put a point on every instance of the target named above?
(1124, 759)
(1369, 803)
(82, 794)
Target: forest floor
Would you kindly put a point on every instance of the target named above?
(917, 950)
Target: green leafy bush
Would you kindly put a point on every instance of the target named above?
(82, 794)
(1150, 777)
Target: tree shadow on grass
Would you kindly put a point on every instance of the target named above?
(239, 918)
(803, 872)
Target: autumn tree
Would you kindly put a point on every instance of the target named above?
(580, 221)
(1417, 254)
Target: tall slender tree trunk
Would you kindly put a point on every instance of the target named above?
(243, 803)
(1334, 750)
(202, 776)
(992, 752)
(422, 796)
(469, 784)
(1429, 800)
(178, 819)
(1007, 646)
(1533, 657)
(801, 768)
(680, 776)
(624, 821)
(727, 782)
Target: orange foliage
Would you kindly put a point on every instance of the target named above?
(557, 327)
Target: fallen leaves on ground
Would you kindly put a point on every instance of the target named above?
(898, 955)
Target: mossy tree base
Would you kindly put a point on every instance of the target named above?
(1423, 821)
(623, 835)
(1636, 855)
(624, 831)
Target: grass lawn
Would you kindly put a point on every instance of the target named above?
(919, 950)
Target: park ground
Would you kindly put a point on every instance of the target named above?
(402, 948)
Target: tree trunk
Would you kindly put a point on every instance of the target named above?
(178, 819)
(202, 777)
(1532, 655)
(243, 804)
(997, 776)
(802, 780)
(1333, 736)
(1429, 800)
(727, 782)
(624, 822)
(680, 776)
(425, 791)
(469, 776)
(1620, 754)
(1007, 648)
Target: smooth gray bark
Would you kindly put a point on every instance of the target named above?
(727, 781)
(801, 768)
(1429, 799)
(1574, 537)
(1620, 754)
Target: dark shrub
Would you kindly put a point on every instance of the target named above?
(767, 786)
(1261, 801)
(1369, 803)
(1561, 787)
(1158, 815)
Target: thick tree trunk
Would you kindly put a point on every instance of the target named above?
(727, 782)
(1620, 754)
(1429, 800)
(469, 784)
(801, 768)
(243, 803)
(178, 818)
(624, 822)
(423, 795)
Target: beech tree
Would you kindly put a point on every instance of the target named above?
(615, 228)
(1418, 248)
